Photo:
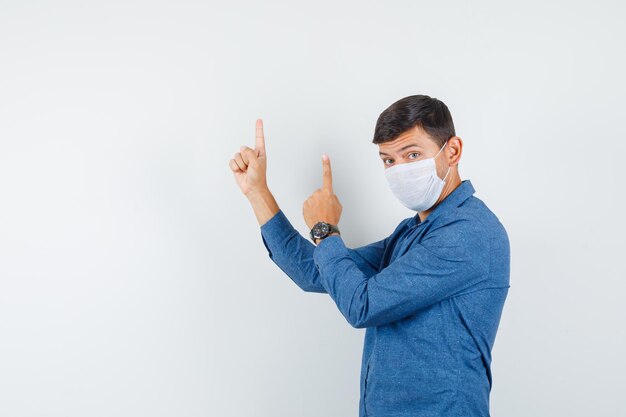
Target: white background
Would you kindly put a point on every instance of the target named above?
(133, 278)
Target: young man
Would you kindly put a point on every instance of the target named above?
(430, 295)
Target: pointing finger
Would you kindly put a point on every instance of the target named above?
(327, 174)
(260, 138)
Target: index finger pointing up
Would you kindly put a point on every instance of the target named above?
(260, 138)
(327, 174)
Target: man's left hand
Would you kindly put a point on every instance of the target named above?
(323, 205)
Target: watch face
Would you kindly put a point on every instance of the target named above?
(320, 229)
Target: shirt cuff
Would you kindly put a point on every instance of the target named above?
(339, 275)
(276, 230)
(329, 251)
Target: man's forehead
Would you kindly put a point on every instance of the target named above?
(415, 135)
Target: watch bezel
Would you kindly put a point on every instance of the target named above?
(320, 229)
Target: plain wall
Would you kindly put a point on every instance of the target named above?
(133, 278)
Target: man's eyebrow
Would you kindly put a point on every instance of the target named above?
(402, 148)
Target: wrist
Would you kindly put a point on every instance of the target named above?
(259, 192)
(263, 204)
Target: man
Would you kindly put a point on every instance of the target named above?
(430, 295)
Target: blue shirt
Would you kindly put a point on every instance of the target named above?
(430, 296)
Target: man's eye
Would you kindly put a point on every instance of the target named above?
(385, 161)
(414, 153)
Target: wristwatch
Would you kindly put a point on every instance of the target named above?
(321, 230)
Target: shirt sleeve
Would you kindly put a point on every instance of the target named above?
(449, 260)
(293, 253)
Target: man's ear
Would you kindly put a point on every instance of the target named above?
(455, 149)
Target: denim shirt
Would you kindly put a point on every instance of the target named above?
(430, 297)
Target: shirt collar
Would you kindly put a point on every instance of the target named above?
(461, 193)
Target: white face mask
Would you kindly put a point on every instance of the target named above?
(416, 184)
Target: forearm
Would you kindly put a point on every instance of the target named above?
(286, 247)
(263, 204)
(291, 252)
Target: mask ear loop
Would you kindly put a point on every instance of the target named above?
(444, 145)
(444, 178)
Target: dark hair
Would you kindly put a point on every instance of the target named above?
(429, 113)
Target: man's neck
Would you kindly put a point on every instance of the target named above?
(455, 181)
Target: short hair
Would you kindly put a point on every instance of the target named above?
(430, 113)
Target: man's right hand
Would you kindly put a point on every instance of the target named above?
(250, 165)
